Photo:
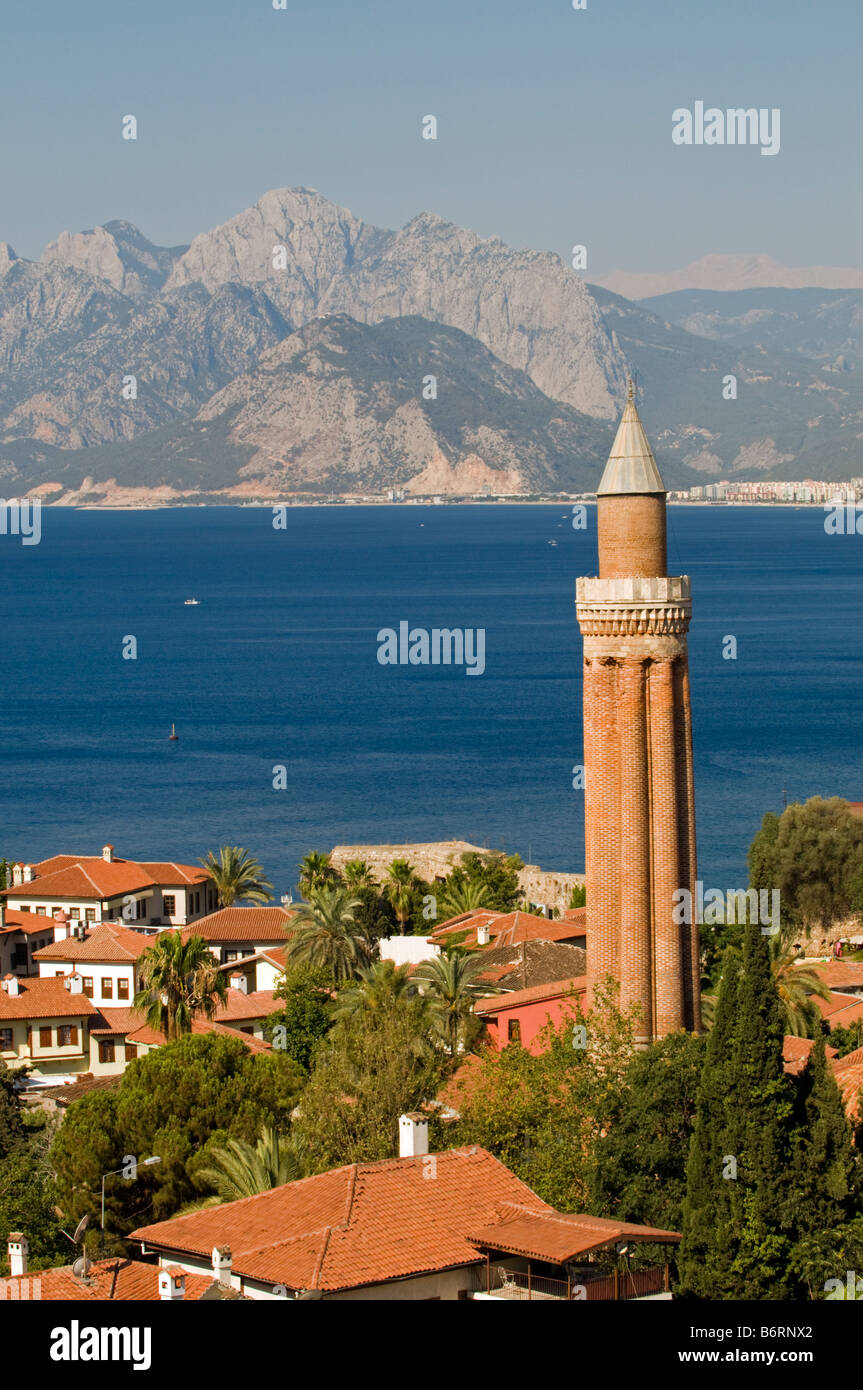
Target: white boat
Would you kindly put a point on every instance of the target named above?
(191, 602)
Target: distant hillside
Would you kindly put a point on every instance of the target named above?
(728, 273)
(338, 406)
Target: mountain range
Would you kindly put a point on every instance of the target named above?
(299, 350)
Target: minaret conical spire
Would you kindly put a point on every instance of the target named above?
(631, 466)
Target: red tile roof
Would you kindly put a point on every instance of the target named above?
(840, 974)
(557, 1238)
(27, 922)
(109, 944)
(558, 989)
(795, 1053)
(840, 1009)
(132, 1025)
(127, 1281)
(506, 928)
(91, 876)
(848, 1071)
(242, 924)
(256, 1004)
(359, 1225)
(44, 999)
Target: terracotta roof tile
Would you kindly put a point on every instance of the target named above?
(44, 999)
(557, 1238)
(242, 924)
(91, 876)
(359, 1225)
(556, 989)
(839, 1009)
(256, 1004)
(109, 942)
(506, 928)
(795, 1053)
(127, 1281)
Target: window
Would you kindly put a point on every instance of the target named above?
(107, 987)
(24, 909)
(41, 912)
(5, 1039)
(514, 1030)
(122, 989)
(131, 1052)
(169, 901)
(106, 1050)
(59, 974)
(45, 1037)
(89, 914)
(67, 1036)
(75, 914)
(88, 986)
(141, 908)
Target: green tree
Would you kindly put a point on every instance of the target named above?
(180, 1103)
(826, 1175)
(304, 1018)
(466, 895)
(497, 873)
(27, 1200)
(238, 876)
(13, 1132)
(450, 987)
(316, 871)
(374, 1066)
(813, 854)
(795, 984)
(543, 1114)
(237, 1169)
(358, 874)
(641, 1157)
(848, 1039)
(181, 980)
(400, 886)
(375, 989)
(324, 933)
(578, 896)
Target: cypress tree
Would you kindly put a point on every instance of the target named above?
(826, 1177)
(711, 1205)
(762, 1096)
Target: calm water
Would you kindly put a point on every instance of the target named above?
(278, 666)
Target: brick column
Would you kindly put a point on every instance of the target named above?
(601, 757)
(635, 954)
(691, 955)
(666, 858)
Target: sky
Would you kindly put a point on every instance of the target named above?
(554, 124)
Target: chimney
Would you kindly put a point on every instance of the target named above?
(2, 913)
(61, 925)
(16, 873)
(172, 1284)
(11, 986)
(222, 1260)
(18, 1250)
(483, 935)
(413, 1135)
(240, 982)
(28, 873)
(74, 983)
(108, 853)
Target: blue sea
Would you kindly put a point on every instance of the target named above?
(277, 667)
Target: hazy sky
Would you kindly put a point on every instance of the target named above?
(554, 124)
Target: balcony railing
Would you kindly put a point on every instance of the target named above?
(521, 1285)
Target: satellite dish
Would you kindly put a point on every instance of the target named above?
(81, 1228)
(81, 1267)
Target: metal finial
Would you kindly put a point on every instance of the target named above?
(630, 390)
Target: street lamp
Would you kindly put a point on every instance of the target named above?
(147, 1163)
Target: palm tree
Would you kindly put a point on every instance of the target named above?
(237, 876)
(240, 1170)
(469, 896)
(794, 985)
(399, 887)
(450, 986)
(376, 987)
(324, 932)
(358, 874)
(315, 872)
(180, 980)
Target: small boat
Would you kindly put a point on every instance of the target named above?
(173, 735)
(552, 542)
(191, 602)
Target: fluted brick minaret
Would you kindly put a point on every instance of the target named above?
(640, 807)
